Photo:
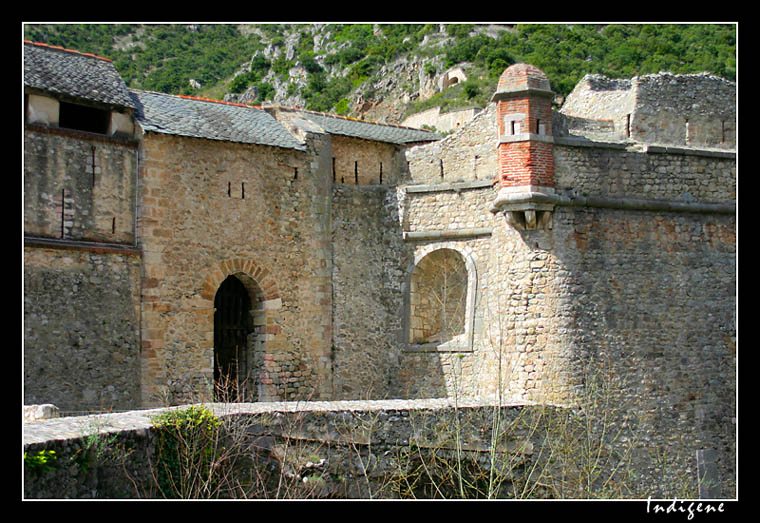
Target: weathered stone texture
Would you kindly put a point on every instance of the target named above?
(654, 295)
(81, 329)
(678, 177)
(206, 205)
(467, 154)
(645, 298)
(370, 260)
(448, 209)
(327, 254)
(697, 110)
(597, 97)
(79, 188)
(363, 162)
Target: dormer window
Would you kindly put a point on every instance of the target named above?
(84, 118)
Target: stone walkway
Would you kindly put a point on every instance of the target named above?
(72, 427)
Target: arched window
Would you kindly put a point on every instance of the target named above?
(441, 301)
(232, 325)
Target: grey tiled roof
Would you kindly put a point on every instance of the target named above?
(209, 119)
(66, 72)
(369, 130)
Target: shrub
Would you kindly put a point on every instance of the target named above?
(186, 447)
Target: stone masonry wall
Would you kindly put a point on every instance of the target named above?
(362, 162)
(466, 154)
(696, 110)
(429, 372)
(78, 186)
(646, 299)
(652, 296)
(617, 173)
(81, 328)
(364, 449)
(349, 449)
(369, 263)
(596, 97)
(213, 209)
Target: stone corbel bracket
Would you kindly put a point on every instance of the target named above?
(526, 208)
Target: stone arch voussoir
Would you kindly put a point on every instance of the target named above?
(250, 273)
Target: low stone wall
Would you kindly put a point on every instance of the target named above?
(346, 449)
(351, 450)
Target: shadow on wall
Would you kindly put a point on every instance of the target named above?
(658, 306)
(371, 261)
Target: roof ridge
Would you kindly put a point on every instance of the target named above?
(197, 98)
(352, 119)
(74, 51)
(202, 99)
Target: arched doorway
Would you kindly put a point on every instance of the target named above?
(232, 352)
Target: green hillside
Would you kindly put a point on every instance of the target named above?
(166, 58)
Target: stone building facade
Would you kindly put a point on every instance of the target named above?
(188, 249)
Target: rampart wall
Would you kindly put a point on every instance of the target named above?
(695, 110)
(370, 259)
(81, 271)
(348, 449)
(81, 327)
(466, 155)
(629, 275)
(369, 449)
(363, 162)
(638, 234)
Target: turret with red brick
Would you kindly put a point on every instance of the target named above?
(525, 156)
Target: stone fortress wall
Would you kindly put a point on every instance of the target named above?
(696, 110)
(620, 255)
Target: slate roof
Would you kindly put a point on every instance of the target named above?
(66, 72)
(210, 119)
(369, 130)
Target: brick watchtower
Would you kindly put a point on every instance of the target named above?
(526, 162)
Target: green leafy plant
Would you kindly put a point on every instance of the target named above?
(95, 448)
(41, 460)
(187, 442)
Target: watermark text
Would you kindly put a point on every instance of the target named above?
(690, 508)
